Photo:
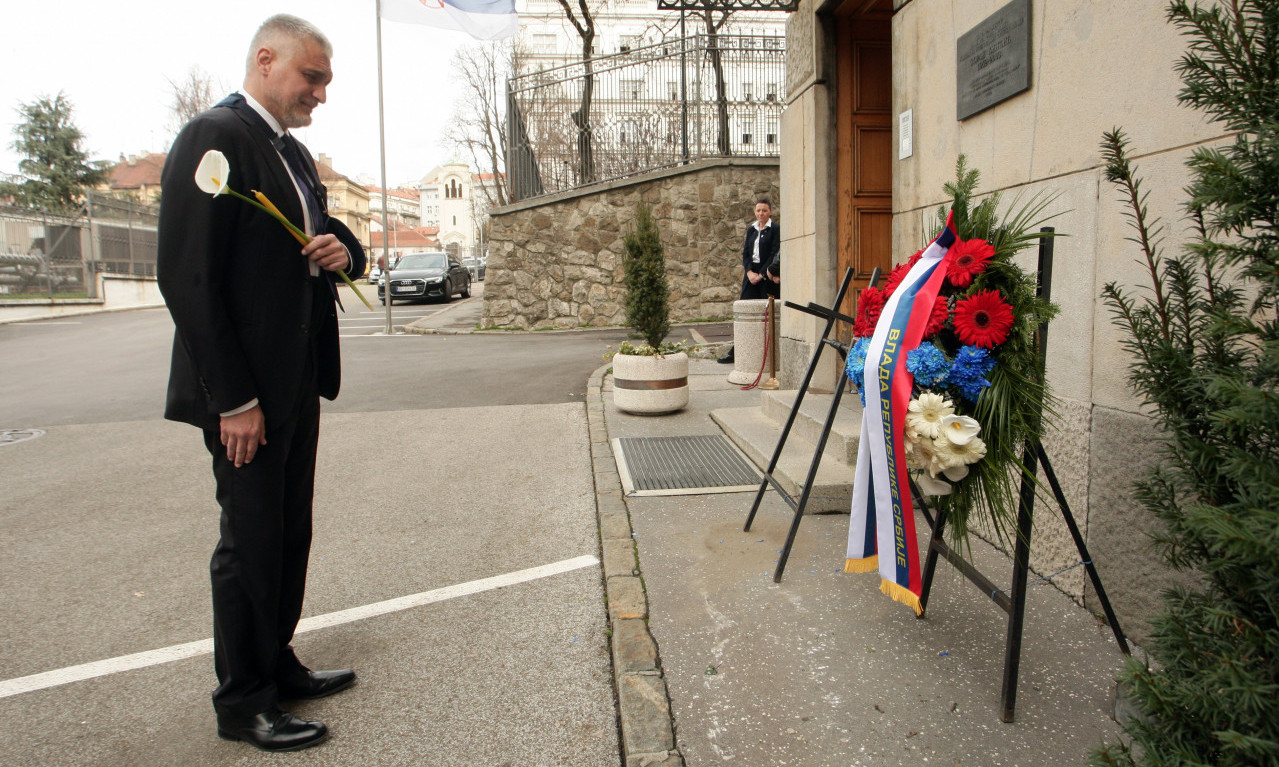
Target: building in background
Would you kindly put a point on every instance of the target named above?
(136, 177)
(348, 201)
(403, 239)
(659, 94)
(456, 201)
(404, 206)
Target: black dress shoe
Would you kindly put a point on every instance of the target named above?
(727, 359)
(272, 730)
(305, 685)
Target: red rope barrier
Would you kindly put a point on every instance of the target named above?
(768, 349)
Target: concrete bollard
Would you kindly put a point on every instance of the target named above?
(748, 340)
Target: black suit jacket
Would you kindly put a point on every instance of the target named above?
(236, 283)
(770, 249)
(770, 259)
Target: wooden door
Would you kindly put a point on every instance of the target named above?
(864, 144)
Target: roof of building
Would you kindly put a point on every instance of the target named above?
(137, 171)
(408, 237)
(408, 194)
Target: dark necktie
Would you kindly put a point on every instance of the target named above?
(289, 148)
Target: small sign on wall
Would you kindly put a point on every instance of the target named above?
(993, 59)
(905, 134)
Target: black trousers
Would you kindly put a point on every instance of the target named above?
(762, 289)
(259, 566)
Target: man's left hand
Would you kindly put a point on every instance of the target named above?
(327, 252)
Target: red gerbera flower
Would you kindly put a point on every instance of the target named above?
(937, 320)
(895, 278)
(983, 319)
(968, 258)
(869, 305)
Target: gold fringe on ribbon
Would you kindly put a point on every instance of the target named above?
(902, 594)
(866, 565)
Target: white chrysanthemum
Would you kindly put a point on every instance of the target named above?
(950, 455)
(925, 414)
(959, 429)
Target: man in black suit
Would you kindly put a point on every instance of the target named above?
(255, 346)
(761, 259)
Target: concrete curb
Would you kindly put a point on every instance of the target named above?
(643, 704)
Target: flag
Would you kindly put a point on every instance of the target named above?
(881, 534)
(481, 19)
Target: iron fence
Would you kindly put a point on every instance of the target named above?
(648, 108)
(57, 255)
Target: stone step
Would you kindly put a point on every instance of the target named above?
(757, 434)
(845, 430)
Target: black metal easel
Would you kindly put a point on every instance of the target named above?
(1013, 600)
(831, 315)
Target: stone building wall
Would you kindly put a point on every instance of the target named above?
(557, 261)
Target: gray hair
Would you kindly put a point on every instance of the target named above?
(292, 28)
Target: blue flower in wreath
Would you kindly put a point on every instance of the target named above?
(856, 363)
(928, 364)
(855, 366)
(969, 369)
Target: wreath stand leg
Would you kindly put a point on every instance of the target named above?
(1013, 601)
(831, 315)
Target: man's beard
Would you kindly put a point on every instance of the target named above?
(297, 117)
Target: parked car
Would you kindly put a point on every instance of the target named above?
(476, 267)
(426, 275)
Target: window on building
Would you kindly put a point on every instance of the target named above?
(632, 89)
(748, 91)
(770, 93)
(772, 131)
(672, 90)
(544, 43)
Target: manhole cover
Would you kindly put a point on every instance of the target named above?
(682, 465)
(13, 436)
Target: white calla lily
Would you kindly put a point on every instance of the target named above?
(930, 486)
(955, 473)
(960, 429)
(212, 173)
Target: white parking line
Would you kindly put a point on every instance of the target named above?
(204, 646)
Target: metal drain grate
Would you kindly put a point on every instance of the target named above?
(682, 465)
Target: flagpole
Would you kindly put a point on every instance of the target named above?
(381, 135)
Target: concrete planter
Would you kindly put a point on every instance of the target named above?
(650, 385)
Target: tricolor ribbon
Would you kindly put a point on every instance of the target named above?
(882, 532)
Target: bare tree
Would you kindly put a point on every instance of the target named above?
(479, 116)
(584, 22)
(714, 21)
(192, 95)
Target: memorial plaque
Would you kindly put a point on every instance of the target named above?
(994, 59)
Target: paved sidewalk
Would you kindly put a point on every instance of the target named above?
(821, 669)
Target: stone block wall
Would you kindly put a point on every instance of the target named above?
(557, 261)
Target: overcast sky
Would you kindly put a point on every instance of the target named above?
(112, 59)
